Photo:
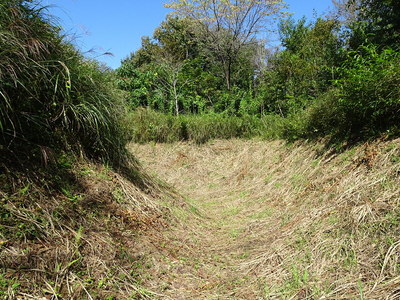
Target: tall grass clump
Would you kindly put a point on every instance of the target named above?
(51, 96)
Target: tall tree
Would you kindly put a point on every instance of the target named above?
(171, 80)
(305, 68)
(383, 20)
(226, 26)
(371, 21)
(346, 11)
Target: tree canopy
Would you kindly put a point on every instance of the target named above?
(207, 56)
(228, 26)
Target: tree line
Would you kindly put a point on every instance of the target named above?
(335, 75)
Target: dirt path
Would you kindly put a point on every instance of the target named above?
(268, 225)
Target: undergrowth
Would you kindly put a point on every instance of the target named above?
(148, 125)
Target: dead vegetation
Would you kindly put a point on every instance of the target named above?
(71, 231)
(282, 221)
(261, 220)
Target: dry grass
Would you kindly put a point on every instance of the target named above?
(74, 233)
(265, 220)
(281, 221)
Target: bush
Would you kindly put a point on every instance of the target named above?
(147, 125)
(326, 116)
(364, 103)
(370, 90)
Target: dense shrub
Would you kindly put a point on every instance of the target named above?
(370, 90)
(364, 103)
(326, 116)
(304, 69)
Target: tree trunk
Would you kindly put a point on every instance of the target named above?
(175, 97)
(228, 71)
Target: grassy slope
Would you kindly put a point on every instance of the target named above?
(267, 220)
(279, 221)
(71, 230)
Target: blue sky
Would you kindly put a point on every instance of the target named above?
(117, 26)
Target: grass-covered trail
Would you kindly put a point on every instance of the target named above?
(273, 221)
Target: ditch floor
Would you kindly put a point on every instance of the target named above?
(274, 221)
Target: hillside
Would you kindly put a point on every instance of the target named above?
(260, 220)
(71, 229)
(279, 221)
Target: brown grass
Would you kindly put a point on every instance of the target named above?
(280, 221)
(74, 233)
(262, 220)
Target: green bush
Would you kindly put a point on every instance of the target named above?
(364, 103)
(326, 117)
(370, 90)
(147, 125)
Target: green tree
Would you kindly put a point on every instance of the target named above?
(227, 26)
(171, 81)
(306, 66)
(370, 90)
(371, 21)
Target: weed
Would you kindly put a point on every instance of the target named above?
(234, 232)
(118, 195)
(193, 209)
(85, 171)
(232, 211)
(266, 213)
(268, 178)
(243, 194)
(360, 289)
(8, 285)
(298, 180)
(298, 279)
(66, 161)
(24, 190)
(395, 159)
(157, 127)
(73, 198)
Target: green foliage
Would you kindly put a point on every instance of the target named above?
(54, 98)
(312, 88)
(225, 28)
(364, 102)
(7, 285)
(304, 69)
(149, 125)
(377, 22)
(325, 116)
(51, 96)
(175, 73)
(370, 89)
(136, 83)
